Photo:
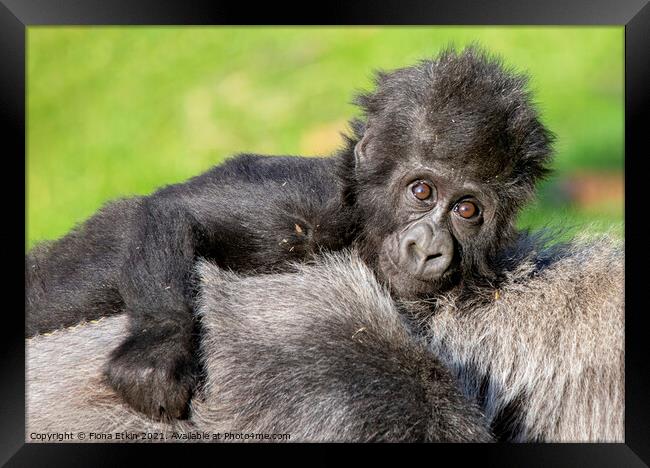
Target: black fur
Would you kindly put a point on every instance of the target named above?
(253, 213)
(462, 116)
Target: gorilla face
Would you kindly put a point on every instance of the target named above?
(438, 221)
(433, 219)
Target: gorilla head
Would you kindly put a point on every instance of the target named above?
(448, 152)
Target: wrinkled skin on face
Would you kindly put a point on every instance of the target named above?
(447, 154)
(423, 251)
(435, 215)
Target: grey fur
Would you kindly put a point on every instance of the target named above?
(551, 343)
(308, 353)
(65, 391)
(322, 354)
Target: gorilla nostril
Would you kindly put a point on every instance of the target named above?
(432, 257)
(414, 249)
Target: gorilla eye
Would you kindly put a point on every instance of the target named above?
(421, 190)
(466, 209)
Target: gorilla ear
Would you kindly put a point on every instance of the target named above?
(360, 155)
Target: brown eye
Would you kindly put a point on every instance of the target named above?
(421, 190)
(466, 209)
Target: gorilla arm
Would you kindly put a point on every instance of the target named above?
(137, 255)
(65, 389)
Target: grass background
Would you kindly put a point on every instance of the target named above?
(117, 111)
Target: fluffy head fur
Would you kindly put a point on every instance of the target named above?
(465, 116)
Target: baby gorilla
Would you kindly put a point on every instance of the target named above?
(426, 188)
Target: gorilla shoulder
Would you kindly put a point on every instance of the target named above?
(323, 353)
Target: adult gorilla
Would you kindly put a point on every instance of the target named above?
(327, 355)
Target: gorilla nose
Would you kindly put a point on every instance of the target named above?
(425, 253)
(429, 263)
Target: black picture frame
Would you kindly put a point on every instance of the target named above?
(17, 15)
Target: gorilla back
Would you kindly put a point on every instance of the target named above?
(541, 352)
(325, 358)
(324, 354)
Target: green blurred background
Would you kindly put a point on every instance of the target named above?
(117, 111)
